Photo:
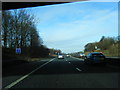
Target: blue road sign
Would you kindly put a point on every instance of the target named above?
(18, 50)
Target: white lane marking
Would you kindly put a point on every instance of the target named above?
(78, 69)
(68, 61)
(20, 79)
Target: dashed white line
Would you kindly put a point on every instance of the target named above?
(78, 69)
(25, 76)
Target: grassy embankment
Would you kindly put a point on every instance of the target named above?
(113, 51)
(9, 54)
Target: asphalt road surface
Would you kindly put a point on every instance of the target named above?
(69, 72)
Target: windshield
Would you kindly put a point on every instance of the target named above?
(50, 46)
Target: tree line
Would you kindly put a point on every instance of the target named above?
(19, 31)
(55, 51)
(108, 45)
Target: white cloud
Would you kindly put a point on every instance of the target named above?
(70, 30)
(82, 30)
(89, 28)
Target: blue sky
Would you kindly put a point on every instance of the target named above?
(70, 26)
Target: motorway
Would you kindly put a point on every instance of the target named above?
(69, 72)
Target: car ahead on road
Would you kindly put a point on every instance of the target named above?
(82, 55)
(67, 55)
(60, 57)
(95, 58)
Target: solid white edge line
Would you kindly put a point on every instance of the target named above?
(20, 79)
